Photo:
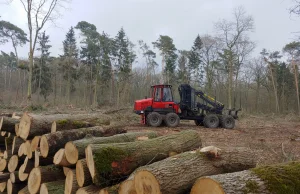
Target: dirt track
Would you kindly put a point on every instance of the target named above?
(274, 140)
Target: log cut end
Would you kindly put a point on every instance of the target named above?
(9, 187)
(146, 183)
(17, 131)
(92, 189)
(211, 151)
(60, 158)
(127, 187)
(13, 163)
(207, 185)
(71, 153)
(66, 170)
(12, 177)
(83, 176)
(3, 133)
(24, 191)
(27, 149)
(34, 180)
(35, 143)
(1, 123)
(22, 175)
(21, 150)
(36, 158)
(24, 126)
(44, 146)
(90, 161)
(3, 186)
(44, 189)
(69, 182)
(53, 127)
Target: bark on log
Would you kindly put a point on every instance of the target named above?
(14, 188)
(278, 178)
(52, 142)
(82, 173)
(9, 142)
(2, 140)
(29, 165)
(177, 174)
(71, 185)
(3, 165)
(59, 159)
(56, 187)
(76, 150)
(91, 189)
(35, 143)
(107, 162)
(16, 145)
(4, 177)
(3, 186)
(41, 161)
(14, 163)
(43, 174)
(8, 124)
(24, 190)
(33, 125)
(22, 175)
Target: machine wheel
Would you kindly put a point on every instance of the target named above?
(211, 121)
(198, 123)
(172, 120)
(227, 122)
(154, 119)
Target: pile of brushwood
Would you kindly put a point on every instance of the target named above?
(86, 153)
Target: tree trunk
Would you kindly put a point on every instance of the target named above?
(177, 174)
(52, 142)
(8, 124)
(33, 125)
(14, 188)
(76, 150)
(107, 162)
(230, 77)
(279, 178)
(71, 185)
(91, 189)
(83, 176)
(43, 174)
(55, 187)
(297, 86)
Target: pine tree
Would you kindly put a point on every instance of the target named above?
(195, 65)
(183, 67)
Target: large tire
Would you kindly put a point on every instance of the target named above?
(154, 119)
(172, 120)
(211, 121)
(198, 122)
(227, 121)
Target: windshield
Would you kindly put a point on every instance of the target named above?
(167, 95)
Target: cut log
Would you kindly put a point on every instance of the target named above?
(24, 190)
(76, 150)
(52, 142)
(14, 177)
(177, 174)
(91, 189)
(56, 187)
(16, 145)
(35, 143)
(29, 165)
(3, 186)
(22, 175)
(60, 159)
(14, 188)
(8, 142)
(21, 151)
(7, 154)
(111, 190)
(33, 125)
(4, 177)
(107, 162)
(41, 161)
(43, 174)
(8, 124)
(17, 129)
(127, 186)
(14, 163)
(278, 178)
(71, 185)
(66, 170)
(82, 174)
(3, 165)
(3, 133)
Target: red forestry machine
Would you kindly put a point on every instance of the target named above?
(161, 108)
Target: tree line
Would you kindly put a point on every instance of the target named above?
(100, 71)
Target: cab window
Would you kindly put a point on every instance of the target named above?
(167, 95)
(157, 97)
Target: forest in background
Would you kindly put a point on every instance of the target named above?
(100, 71)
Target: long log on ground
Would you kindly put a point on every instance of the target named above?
(3, 186)
(43, 174)
(41, 161)
(8, 124)
(33, 125)
(14, 177)
(16, 144)
(82, 173)
(91, 189)
(277, 178)
(22, 175)
(52, 142)
(14, 163)
(59, 159)
(76, 150)
(71, 185)
(24, 190)
(177, 174)
(3, 165)
(14, 188)
(55, 187)
(107, 162)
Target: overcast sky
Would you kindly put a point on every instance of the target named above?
(180, 19)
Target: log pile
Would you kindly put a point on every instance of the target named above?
(85, 154)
